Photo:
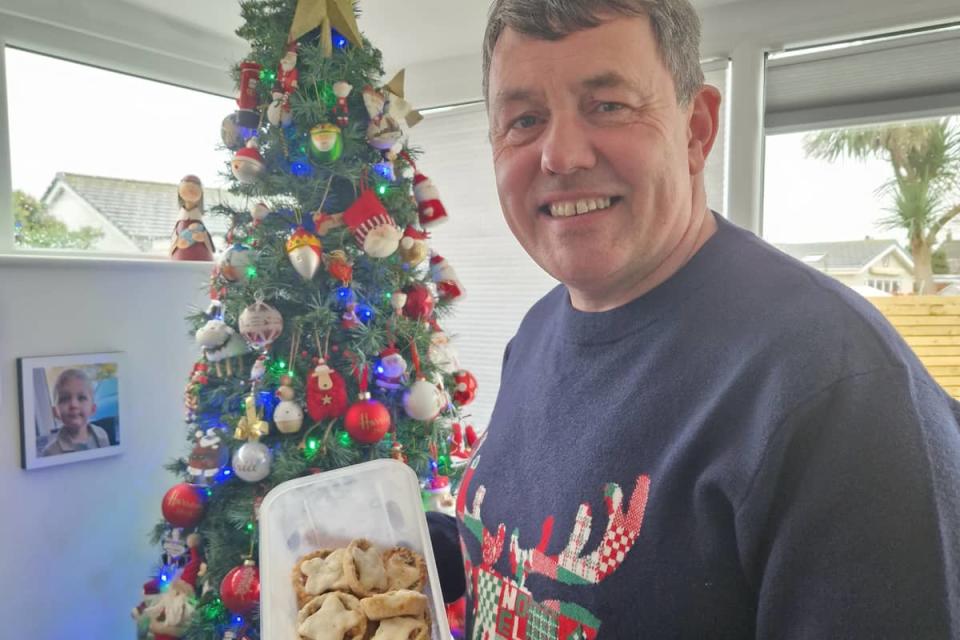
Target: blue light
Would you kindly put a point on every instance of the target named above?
(238, 620)
(338, 40)
(227, 472)
(379, 370)
(364, 313)
(344, 293)
(385, 170)
(301, 168)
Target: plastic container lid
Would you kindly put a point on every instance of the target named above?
(378, 500)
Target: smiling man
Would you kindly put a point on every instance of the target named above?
(695, 436)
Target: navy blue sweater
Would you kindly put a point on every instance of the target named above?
(747, 451)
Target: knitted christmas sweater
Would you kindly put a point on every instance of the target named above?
(747, 451)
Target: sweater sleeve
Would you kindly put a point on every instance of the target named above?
(850, 526)
(446, 551)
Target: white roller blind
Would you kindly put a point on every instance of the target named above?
(501, 281)
(912, 75)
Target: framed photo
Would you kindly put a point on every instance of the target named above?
(70, 408)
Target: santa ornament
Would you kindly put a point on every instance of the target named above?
(207, 456)
(414, 246)
(342, 90)
(372, 227)
(431, 210)
(288, 78)
(247, 164)
(278, 113)
(191, 240)
(170, 614)
(326, 393)
(390, 373)
(466, 389)
(443, 275)
(305, 251)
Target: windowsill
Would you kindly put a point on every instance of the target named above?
(56, 259)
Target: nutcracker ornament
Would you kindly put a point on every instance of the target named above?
(326, 393)
(288, 416)
(341, 110)
(443, 275)
(248, 100)
(247, 164)
(305, 252)
(191, 240)
(372, 227)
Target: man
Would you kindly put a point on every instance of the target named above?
(695, 436)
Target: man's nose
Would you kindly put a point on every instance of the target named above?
(567, 145)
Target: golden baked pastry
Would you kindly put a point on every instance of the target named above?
(405, 569)
(363, 569)
(394, 604)
(317, 573)
(333, 616)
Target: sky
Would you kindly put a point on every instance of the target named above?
(73, 118)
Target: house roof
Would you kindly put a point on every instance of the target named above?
(854, 255)
(951, 248)
(139, 209)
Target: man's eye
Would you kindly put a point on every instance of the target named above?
(524, 122)
(609, 107)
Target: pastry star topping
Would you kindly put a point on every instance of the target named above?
(402, 629)
(332, 621)
(324, 574)
(364, 568)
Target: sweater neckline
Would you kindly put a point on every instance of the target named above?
(600, 327)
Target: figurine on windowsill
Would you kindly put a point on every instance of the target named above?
(191, 240)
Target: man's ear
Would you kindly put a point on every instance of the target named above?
(704, 123)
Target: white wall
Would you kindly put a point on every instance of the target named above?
(73, 545)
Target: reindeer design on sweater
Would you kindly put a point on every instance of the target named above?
(505, 608)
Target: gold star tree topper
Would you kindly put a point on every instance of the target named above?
(327, 15)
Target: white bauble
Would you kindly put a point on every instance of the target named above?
(251, 462)
(423, 400)
(288, 416)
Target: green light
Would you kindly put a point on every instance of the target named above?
(382, 189)
(209, 492)
(312, 444)
(249, 239)
(345, 439)
(251, 272)
(388, 295)
(303, 149)
(291, 373)
(249, 526)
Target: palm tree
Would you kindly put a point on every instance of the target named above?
(925, 158)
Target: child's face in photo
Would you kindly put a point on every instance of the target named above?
(75, 404)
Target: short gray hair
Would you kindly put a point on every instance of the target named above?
(676, 28)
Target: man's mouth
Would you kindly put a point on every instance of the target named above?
(570, 208)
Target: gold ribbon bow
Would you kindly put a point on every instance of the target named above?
(251, 427)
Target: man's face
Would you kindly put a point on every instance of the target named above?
(593, 155)
(75, 404)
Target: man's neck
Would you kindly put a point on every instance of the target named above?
(701, 228)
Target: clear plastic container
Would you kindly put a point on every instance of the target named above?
(378, 500)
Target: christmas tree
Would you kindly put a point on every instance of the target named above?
(322, 346)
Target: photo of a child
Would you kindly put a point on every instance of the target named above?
(74, 405)
(70, 408)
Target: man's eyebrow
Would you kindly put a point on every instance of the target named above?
(607, 80)
(507, 96)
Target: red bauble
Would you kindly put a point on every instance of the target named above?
(466, 389)
(367, 421)
(240, 588)
(419, 305)
(182, 505)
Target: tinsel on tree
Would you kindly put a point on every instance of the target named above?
(322, 345)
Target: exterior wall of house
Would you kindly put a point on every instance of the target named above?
(76, 213)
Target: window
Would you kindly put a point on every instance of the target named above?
(100, 154)
(853, 132)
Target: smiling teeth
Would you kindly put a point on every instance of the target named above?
(578, 207)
